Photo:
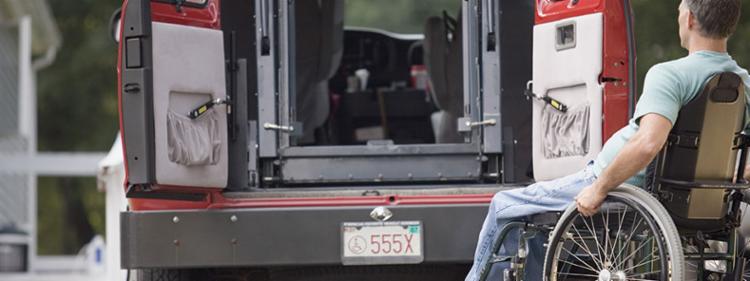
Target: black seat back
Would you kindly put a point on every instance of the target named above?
(695, 171)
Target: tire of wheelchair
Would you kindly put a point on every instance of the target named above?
(659, 214)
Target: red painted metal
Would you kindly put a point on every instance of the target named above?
(616, 66)
(554, 10)
(208, 16)
(615, 61)
(216, 200)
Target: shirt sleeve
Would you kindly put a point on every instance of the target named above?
(662, 94)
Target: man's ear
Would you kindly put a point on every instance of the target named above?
(692, 21)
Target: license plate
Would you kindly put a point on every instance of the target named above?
(367, 243)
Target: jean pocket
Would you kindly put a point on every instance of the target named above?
(193, 142)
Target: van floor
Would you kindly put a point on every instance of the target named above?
(409, 190)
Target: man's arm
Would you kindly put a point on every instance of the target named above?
(637, 153)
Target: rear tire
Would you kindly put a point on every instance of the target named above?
(659, 233)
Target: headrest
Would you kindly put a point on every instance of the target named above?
(726, 90)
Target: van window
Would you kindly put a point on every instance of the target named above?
(378, 71)
(399, 16)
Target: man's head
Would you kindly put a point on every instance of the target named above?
(709, 19)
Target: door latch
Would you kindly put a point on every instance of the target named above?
(466, 125)
(275, 127)
(490, 122)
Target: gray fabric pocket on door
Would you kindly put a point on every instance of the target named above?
(193, 142)
(565, 134)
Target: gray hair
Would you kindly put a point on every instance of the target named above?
(717, 18)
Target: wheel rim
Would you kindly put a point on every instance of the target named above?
(621, 242)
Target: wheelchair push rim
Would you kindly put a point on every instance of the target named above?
(625, 240)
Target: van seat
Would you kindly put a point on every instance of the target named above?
(319, 35)
(443, 53)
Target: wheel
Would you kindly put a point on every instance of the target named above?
(631, 238)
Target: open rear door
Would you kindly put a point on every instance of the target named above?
(582, 59)
(172, 64)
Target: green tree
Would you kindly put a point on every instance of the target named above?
(77, 107)
(657, 36)
(402, 16)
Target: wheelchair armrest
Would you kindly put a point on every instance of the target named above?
(704, 184)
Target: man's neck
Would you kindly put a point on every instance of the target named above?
(706, 44)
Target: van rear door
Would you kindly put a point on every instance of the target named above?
(583, 58)
(173, 93)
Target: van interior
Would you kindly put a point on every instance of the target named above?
(355, 84)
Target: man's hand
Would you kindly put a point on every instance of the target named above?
(633, 157)
(590, 199)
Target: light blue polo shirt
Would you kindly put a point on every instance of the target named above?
(667, 88)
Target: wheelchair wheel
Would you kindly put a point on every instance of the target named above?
(631, 238)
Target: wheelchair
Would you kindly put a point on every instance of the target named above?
(682, 225)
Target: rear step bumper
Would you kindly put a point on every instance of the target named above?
(282, 236)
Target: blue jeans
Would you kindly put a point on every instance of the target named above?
(510, 205)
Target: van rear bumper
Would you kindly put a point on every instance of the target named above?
(282, 236)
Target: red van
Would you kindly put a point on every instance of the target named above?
(283, 140)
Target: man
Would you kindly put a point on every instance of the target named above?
(705, 26)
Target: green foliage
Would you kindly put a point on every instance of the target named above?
(657, 36)
(70, 212)
(77, 107)
(402, 16)
(76, 95)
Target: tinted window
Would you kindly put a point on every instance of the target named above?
(401, 16)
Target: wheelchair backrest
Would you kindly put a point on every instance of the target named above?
(700, 156)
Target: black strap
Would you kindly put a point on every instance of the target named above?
(556, 104)
(684, 140)
(740, 141)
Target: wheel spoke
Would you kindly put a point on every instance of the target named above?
(592, 230)
(643, 260)
(605, 220)
(621, 221)
(579, 275)
(579, 259)
(633, 253)
(640, 264)
(585, 246)
(586, 267)
(630, 237)
(641, 274)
